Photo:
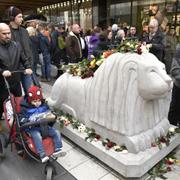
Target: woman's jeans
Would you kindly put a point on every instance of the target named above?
(37, 138)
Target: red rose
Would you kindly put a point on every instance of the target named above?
(139, 51)
(169, 162)
(97, 136)
(169, 168)
(153, 145)
(163, 139)
(110, 144)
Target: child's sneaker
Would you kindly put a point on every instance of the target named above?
(44, 159)
(59, 153)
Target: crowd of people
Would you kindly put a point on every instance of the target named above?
(43, 43)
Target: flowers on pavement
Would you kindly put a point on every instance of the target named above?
(164, 166)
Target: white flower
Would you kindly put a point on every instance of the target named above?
(131, 46)
(79, 73)
(98, 63)
(171, 160)
(116, 147)
(81, 128)
(68, 70)
(128, 44)
(124, 151)
(172, 129)
(144, 49)
(63, 118)
(92, 56)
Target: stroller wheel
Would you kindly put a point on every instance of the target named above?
(2, 144)
(49, 172)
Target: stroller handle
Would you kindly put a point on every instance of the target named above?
(22, 71)
(18, 71)
(42, 121)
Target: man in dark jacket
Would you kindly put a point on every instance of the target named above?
(10, 58)
(174, 113)
(156, 39)
(73, 45)
(19, 34)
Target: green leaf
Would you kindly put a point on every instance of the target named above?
(177, 130)
(162, 176)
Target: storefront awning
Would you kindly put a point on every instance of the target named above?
(26, 5)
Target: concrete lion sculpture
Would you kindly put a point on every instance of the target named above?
(127, 100)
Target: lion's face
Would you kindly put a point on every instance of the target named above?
(153, 81)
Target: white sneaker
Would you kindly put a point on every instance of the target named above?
(44, 159)
(59, 154)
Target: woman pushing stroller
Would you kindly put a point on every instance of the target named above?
(34, 109)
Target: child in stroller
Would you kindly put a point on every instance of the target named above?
(34, 108)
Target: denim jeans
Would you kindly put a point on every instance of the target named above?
(26, 82)
(46, 66)
(37, 138)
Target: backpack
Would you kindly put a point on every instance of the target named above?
(61, 42)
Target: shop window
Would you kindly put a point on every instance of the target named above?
(120, 13)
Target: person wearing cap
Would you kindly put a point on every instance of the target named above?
(11, 57)
(20, 34)
(34, 108)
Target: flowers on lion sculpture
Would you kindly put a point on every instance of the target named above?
(86, 68)
(127, 99)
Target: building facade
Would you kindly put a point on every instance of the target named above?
(89, 13)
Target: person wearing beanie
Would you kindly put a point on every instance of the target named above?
(13, 12)
(20, 34)
(34, 108)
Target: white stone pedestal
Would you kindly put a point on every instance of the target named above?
(129, 165)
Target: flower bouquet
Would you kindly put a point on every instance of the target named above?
(133, 46)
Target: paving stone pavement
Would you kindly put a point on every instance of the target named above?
(13, 167)
(83, 166)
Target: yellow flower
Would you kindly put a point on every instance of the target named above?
(93, 63)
